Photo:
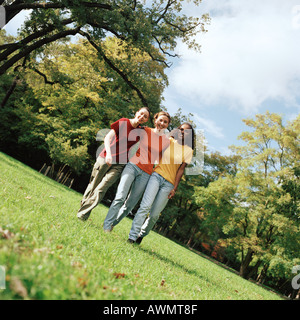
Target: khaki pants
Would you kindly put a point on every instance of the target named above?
(102, 178)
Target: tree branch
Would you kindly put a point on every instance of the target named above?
(15, 46)
(106, 27)
(181, 29)
(17, 6)
(168, 65)
(13, 85)
(165, 10)
(111, 65)
(44, 76)
(50, 5)
(36, 45)
(163, 51)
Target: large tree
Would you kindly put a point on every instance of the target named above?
(142, 25)
(68, 95)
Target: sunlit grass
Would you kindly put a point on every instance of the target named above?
(53, 255)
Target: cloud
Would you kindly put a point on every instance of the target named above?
(250, 55)
(209, 126)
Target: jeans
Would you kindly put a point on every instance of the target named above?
(133, 180)
(154, 201)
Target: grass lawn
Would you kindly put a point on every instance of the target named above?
(48, 253)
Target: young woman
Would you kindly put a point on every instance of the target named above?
(163, 182)
(137, 172)
(111, 161)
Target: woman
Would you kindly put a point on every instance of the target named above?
(111, 161)
(164, 181)
(137, 172)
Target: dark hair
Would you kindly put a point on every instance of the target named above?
(193, 134)
(162, 113)
(150, 117)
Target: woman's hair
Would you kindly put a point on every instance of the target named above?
(162, 113)
(193, 133)
(150, 118)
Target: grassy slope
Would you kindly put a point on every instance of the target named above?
(56, 256)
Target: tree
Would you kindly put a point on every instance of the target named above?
(257, 214)
(153, 29)
(69, 95)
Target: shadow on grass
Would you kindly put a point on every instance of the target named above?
(173, 263)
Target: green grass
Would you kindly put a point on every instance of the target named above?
(55, 256)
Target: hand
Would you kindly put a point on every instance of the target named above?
(171, 194)
(108, 160)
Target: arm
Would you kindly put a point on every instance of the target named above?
(179, 175)
(107, 141)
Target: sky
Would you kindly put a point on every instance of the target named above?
(249, 63)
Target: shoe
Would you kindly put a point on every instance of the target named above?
(108, 230)
(130, 241)
(139, 240)
(86, 208)
(84, 214)
(83, 217)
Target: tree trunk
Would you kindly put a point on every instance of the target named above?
(244, 269)
(262, 275)
(253, 272)
(193, 231)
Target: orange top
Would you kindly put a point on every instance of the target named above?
(150, 148)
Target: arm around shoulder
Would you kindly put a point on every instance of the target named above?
(107, 140)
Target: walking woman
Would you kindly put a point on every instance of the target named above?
(111, 161)
(137, 172)
(163, 182)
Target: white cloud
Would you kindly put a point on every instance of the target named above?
(209, 126)
(250, 54)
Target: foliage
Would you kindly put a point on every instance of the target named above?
(256, 211)
(152, 29)
(70, 95)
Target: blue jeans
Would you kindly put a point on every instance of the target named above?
(154, 201)
(133, 180)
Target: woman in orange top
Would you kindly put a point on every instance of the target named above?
(138, 170)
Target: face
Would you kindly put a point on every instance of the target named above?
(185, 134)
(162, 122)
(142, 115)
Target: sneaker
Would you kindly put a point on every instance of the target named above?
(84, 214)
(83, 217)
(130, 241)
(139, 240)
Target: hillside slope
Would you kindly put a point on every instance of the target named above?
(48, 253)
